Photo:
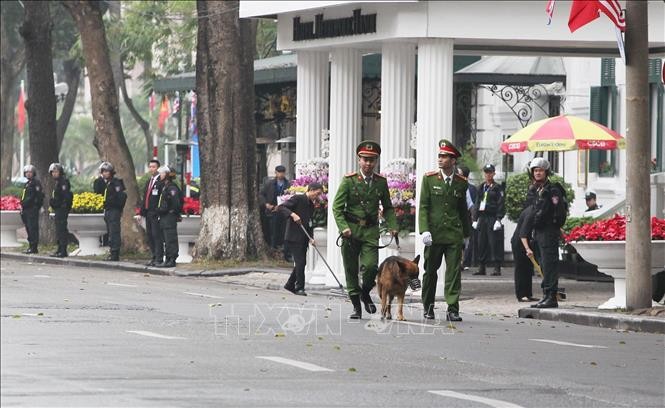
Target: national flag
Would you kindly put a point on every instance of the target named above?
(163, 113)
(192, 115)
(612, 9)
(550, 11)
(176, 104)
(20, 111)
(583, 12)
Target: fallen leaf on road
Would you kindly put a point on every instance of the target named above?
(622, 342)
(280, 335)
(40, 314)
(593, 363)
(16, 316)
(337, 348)
(353, 370)
(214, 304)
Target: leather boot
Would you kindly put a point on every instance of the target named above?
(549, 302)
(168, 263)
(481, 270)
(370, 307)
(542, 300)
(114, 256)
(357, 311)
(497, 271)
(32, 249)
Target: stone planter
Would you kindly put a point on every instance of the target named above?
(10, 221)
(610, 257)
(188, 232)
(316, 271)
(87, 228)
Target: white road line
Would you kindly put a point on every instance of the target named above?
(445, 325)
(203, 295)
(120, 284)
(42, 276)
(565, 343)
(295, 363)
(488, 401)
(151, 334)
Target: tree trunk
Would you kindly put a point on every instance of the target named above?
(230, 227)
(41, 102)
(12, 61)
(109, 138)
(72, 78)
(145, 126)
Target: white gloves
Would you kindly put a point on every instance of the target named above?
(427, 238)
(497, 225)
(475, 225)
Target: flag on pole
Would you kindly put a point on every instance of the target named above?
(550, 11)
(583, 12)
(163, 113)
(612, 9)
(20, 111)
(176, 104)
(151, 101)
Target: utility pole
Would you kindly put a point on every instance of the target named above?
(638, 152)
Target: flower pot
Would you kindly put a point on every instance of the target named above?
(87, 228)
(610, 257)
(10, 221)
(316, 270)
(188, 232)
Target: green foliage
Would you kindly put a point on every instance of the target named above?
(517, 186)
(266, 39)
(81, 184)
(12, 190)
(572, 222)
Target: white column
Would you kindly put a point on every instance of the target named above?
(312, 103)
(345, 111)
(398, 78)
(435, 111)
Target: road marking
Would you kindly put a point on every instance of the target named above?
(565, 343)
(295, 363)
(488, 401)
(203, 295)
(42, 276)
(120, 284)
(151, 334)
(410, 323)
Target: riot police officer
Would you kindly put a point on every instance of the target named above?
(489, 211)
(114, 202)
(61, 202)
(547, 222)
(32, 199)
(445, 226)
(356, 212)
(169, 207)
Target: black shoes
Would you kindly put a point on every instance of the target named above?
(300, 292)
(429, 315)
(370, 307)
(481, 271)
(168, 263)
(549, 302)
(32, 249)
(291, 289)
(497, 271)
(114, 256)
(357, 312)
(453, 317)
(61, 252)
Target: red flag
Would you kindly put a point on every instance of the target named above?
(612, 9)
(20, 112)
(163, 114)
(550, 11)
(582, 12)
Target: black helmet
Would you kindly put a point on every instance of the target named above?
(168, 170)
(106, 166)
(489, 168)
(29, 167)
(56, 166)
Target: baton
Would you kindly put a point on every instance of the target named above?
(536, 267)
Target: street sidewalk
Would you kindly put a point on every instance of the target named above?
(481, 295)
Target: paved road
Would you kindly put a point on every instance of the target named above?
(83, 337)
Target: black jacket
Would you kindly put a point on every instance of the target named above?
(62, 195)
(33, 194)
(269, 192)
(114, 194)
(494, 205)
(545, 206)
(152, 196)
(99, 185)
(303, 206)
(170, 200)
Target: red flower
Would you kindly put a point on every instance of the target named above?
(192, 206)
(612, 229)
(10, 203)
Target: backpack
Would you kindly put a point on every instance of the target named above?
(561, 208)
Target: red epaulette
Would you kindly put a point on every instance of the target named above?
(353, 173)
(432, 173)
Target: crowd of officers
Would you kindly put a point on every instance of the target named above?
(161, 206)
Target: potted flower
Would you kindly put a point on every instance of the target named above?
(603, 243)
(401, 177)
(188, 228)
(86, 222)
(10, 220)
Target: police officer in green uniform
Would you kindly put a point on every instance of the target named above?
(32, 199)
(356, 212)
(445, 225)
(61, 202)
(114, 201)
(169, 208)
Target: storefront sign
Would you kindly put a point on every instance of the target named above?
(338, 27)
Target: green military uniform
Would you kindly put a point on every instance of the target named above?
(444, 214)
(356, 207)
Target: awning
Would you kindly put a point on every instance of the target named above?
(514, 71)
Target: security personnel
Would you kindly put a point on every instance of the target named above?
(32, 199)
(114, 201)
(153, 188)
(169, 207)
(546, 229)
(489, 211)
(61, 202)
(356, 212)
(445, 225)
(591, 204)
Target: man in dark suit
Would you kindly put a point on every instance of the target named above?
(299, 209)
(153, 190)
(272, 189)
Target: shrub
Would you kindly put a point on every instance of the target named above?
(517, 186)
(88, 203)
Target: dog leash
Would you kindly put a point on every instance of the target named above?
(340, 241)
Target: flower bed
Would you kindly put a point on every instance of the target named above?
(192, 206)
(612, 229)
(88, 203)
(10, 203)
(402, 186)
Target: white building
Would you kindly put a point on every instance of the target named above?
(417, 41)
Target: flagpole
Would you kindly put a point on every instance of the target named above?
(22, 132)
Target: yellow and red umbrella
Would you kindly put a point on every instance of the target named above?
(562, 133)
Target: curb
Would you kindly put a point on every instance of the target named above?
(597, 319)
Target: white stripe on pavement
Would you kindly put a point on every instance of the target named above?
(151, 334)
(295, 363)
(203, 295)
(120, 284)
(42, 276)
(565, 343)
(488, 401)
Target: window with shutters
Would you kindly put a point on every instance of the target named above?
(656, 114)
(604, 109)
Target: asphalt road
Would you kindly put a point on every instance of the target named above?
(84, 337)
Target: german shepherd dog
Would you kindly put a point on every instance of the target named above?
(392, 280)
